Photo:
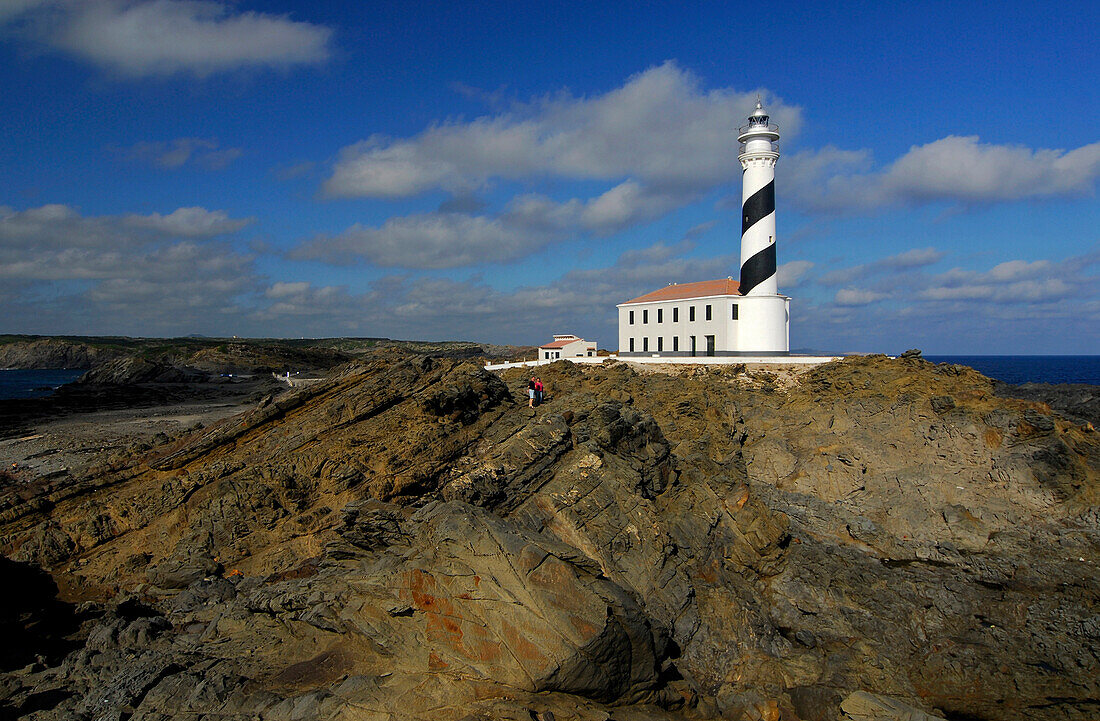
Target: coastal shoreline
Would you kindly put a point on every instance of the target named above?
(68, 439)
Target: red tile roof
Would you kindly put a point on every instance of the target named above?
(699, 289)
(560, 343)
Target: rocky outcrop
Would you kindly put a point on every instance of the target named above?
(1077, 402)
(407, 540)
(47, 353)
(254, 357)
(134, 369)
(863, 706)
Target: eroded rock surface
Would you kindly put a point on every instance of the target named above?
(409, 541)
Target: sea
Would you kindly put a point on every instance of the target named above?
(34, 384)
(1030, 368)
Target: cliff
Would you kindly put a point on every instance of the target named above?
(877, 539)
(48, 353)
(223, 355)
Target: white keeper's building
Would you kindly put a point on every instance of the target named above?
(723, 317)
(706, 318)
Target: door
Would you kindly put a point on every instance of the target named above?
(710, 345)
(692, 346)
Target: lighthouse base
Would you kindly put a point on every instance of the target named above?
(763, 324)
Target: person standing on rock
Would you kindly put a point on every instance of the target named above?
(538, 391)
(531, 392)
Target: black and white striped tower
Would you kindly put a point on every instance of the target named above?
(763, 321)
(758, 157)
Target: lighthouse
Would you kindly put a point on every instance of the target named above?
(765, 325)
(758, 156)
(723, 317)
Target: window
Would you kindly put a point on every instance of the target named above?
(708, 312)
(645, 345)
(660, 314)
(675, 315)
(691, 314)
(660, 343)
(557, 354)
(675, 343)
(631, 345)
(645, 316)
(735, 311)
(631, 317)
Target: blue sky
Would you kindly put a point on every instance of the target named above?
(502, 171)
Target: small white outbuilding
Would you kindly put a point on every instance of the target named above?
(567, 346)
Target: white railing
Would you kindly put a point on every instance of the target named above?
(758, 126)
(544, 361)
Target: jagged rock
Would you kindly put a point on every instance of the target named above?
(1077, 402)
(134, 369)
(407, 539)
(863, 706)
(53, 353)
(181, 572)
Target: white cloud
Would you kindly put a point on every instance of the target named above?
(163, 37)
(189, 223)
(983, 293)
(910, 259)
(149, 282)
(1014, 281)
(857, 296)
(287, 290)
(915, 258)
(581, 301)
(169, 155)
(445, 239)
(659, 142)
(624, 205)
(962, 168)
(660, 129)
(55, 241)
(1039, 306)
(176, 288)
(13, 9)
(429, 240)
(1019, 269)
(843, 276)
(654, 254)
(122, 274)
(954, 169)
(790, 275)
(58, 227)
(295, 170)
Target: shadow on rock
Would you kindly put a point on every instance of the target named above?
(34, 623)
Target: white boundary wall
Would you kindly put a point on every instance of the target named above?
(793, 360)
